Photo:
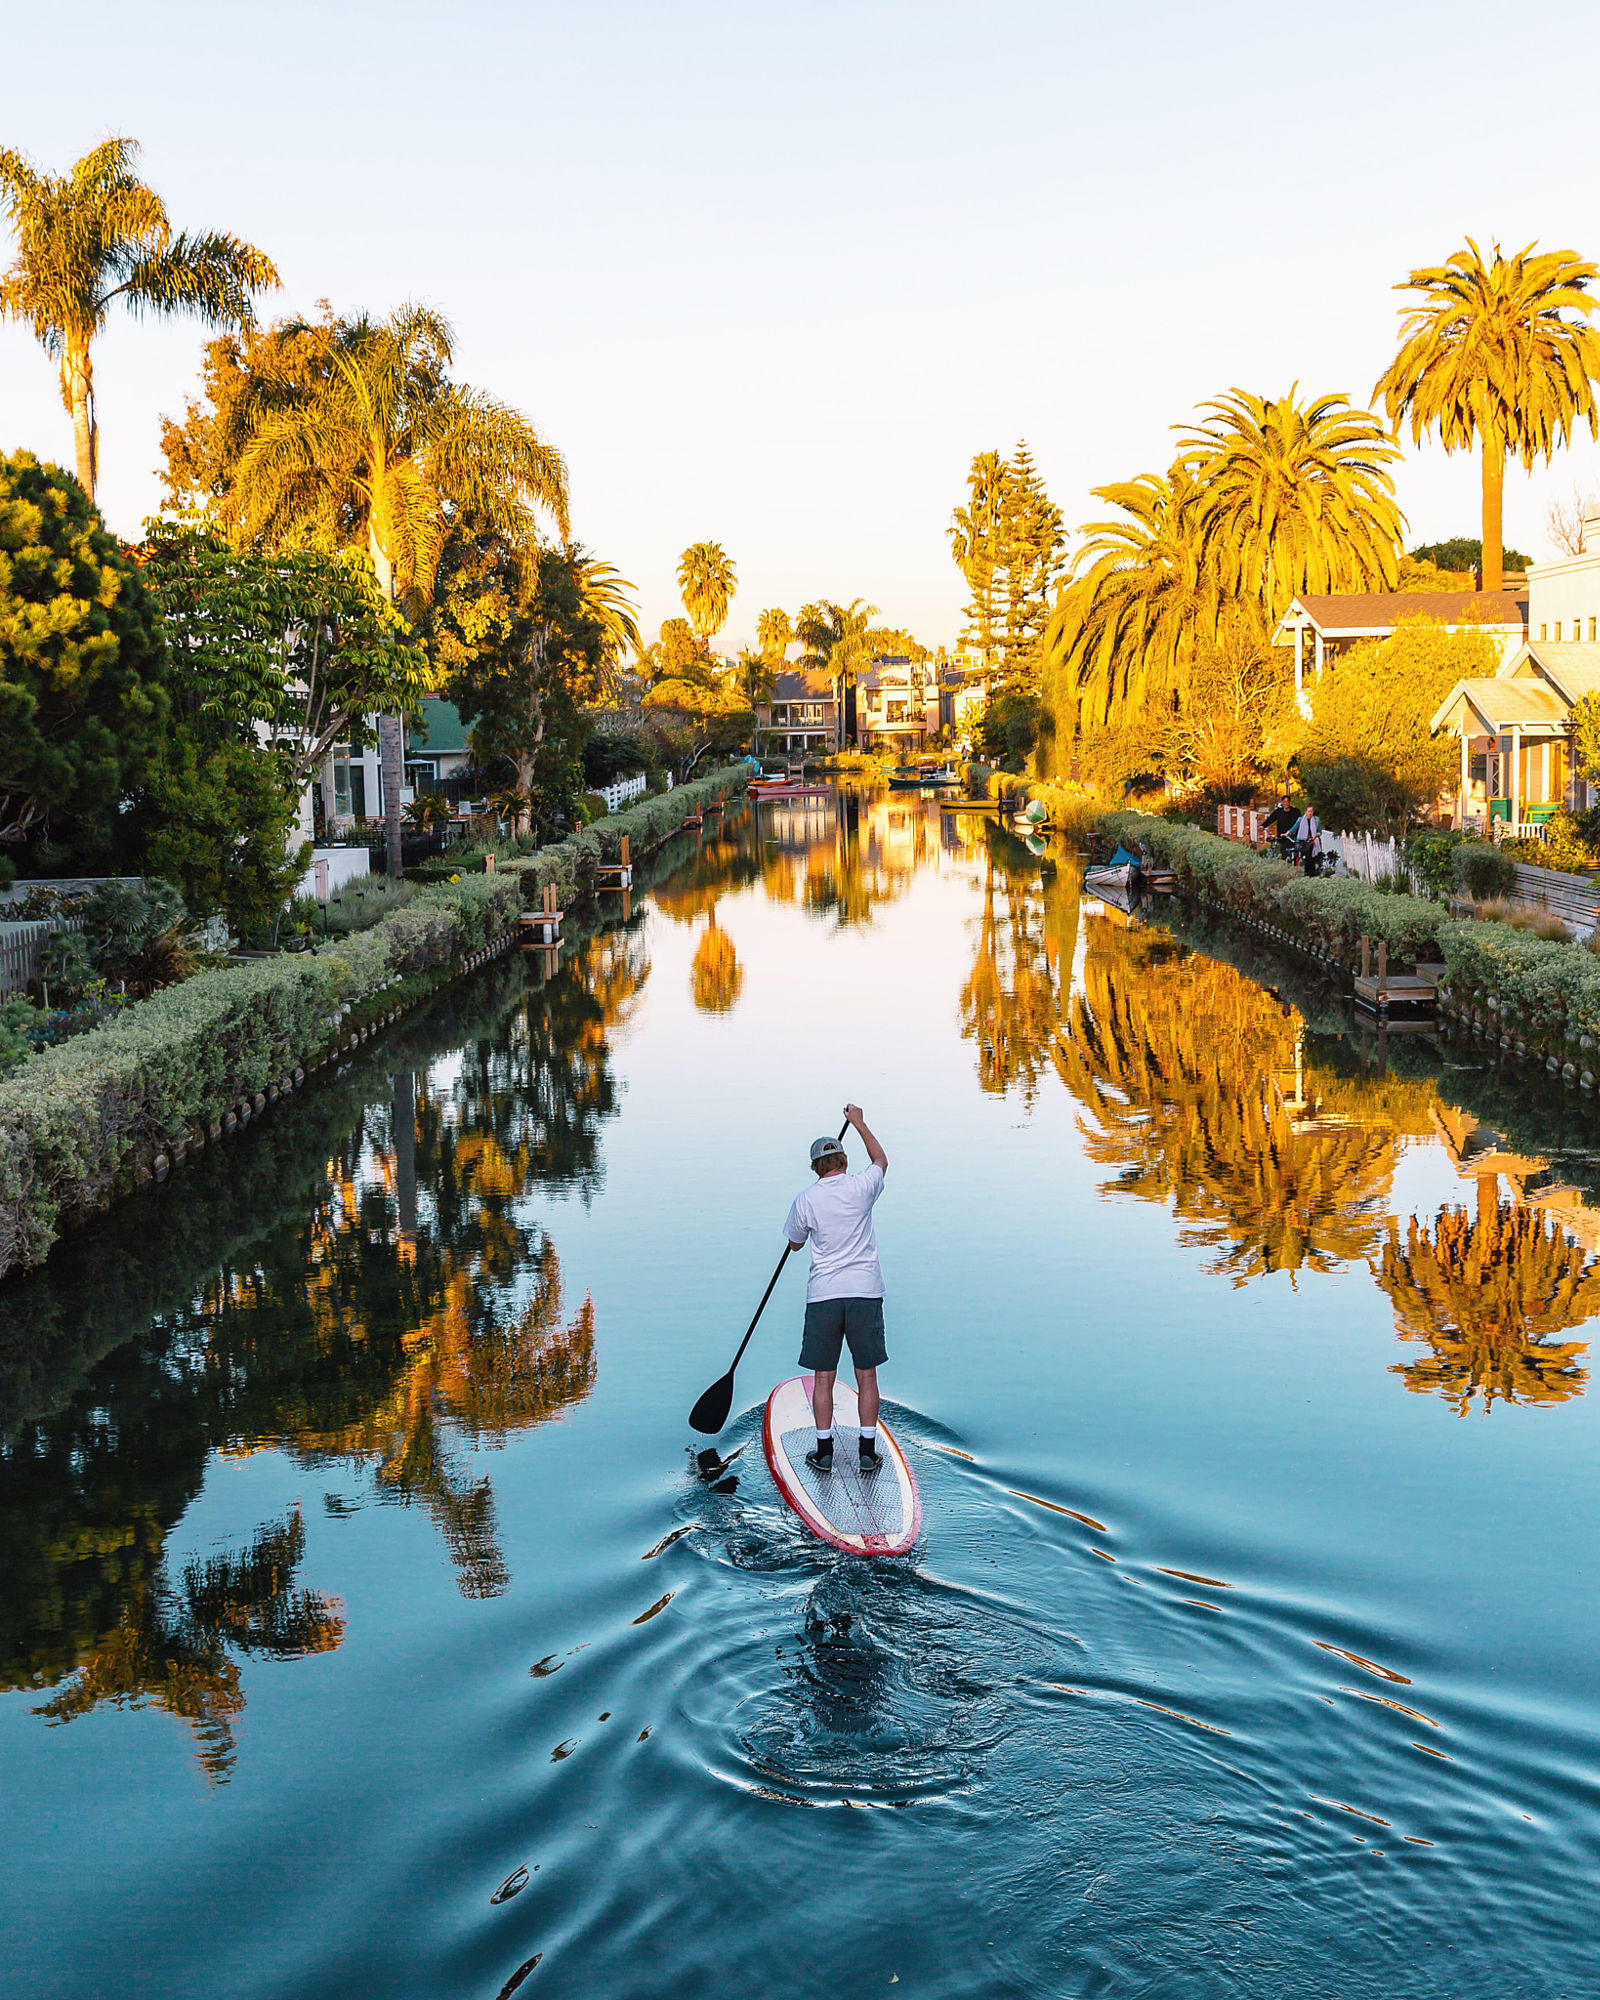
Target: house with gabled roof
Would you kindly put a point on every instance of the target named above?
(1516, 728)
(1321, 628)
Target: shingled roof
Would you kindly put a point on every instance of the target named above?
(1347, 614)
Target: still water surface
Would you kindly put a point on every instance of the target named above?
(364, 1628)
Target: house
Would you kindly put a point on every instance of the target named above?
(1516, 728)
(891, 705)
(957, 700)
(802, 718)
(352, 780)
(1335, 623)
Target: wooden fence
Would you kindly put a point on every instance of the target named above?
(19, 950)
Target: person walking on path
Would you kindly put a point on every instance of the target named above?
(844, 1293)
(1279, 825)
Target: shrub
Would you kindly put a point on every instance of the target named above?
(62, 963)
(1482, 870)
(1430, 856)
(120, 921)
(364, 902)
(75, 1120)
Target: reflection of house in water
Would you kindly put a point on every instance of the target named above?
(846, 854)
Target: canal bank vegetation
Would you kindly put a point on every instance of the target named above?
(1536, 995)
(92, 1118)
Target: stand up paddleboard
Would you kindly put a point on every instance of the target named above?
(876, 1515)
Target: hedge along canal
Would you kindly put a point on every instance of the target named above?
(108, 1112)
(1532, 997)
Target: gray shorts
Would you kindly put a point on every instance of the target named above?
(831, 1322)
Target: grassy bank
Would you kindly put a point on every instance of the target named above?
(96, 1117)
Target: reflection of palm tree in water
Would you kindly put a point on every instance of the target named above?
(1011, 1003)
(1488, 1293)
(172, 1649)
(1174, 1058)
(716, 978)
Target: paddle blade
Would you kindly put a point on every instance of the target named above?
(711, 1412)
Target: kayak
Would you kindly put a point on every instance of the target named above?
(879, 1514)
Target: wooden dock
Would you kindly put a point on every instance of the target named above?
(618, 874)
(1378, 989)
(542, 926)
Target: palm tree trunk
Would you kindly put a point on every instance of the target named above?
(391, 736)
(391, 760)
(1491, 570)
(77, 391)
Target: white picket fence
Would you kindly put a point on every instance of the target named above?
(1365, 857)
(622, 792)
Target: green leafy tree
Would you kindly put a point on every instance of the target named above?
(83, 707)
(299, 644)
(1465, 552)
(1368, 762)
(382, 451)
(707, 582)
(523, 693)
(273, 660)
(97, 234)
(1498, 354)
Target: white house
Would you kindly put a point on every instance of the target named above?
(1516, 728)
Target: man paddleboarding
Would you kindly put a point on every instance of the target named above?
(844, 1293)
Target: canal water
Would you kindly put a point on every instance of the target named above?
(365, 1628)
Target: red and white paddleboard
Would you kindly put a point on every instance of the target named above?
(879, 1515)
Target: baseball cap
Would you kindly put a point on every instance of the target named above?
(824, 1149)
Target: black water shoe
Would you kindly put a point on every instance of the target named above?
(870, 1461)
(820, 1457)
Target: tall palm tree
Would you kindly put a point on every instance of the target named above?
(840, 640)
(1294, 497)
(384, 451)
(98, 234)
(1144, 597)
(774, 634)
(707, 582)
(1487, 358)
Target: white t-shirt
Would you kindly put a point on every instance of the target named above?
(836, 1215)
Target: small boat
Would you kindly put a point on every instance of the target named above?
(1118, 876)
(1035, 814)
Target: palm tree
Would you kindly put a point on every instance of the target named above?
(606, 598)
(706, 582)
(1144, 598)
(383, 451)
(1486, 358)
(774, 633)
(1294, 497)
(97, 234)
(839, 639)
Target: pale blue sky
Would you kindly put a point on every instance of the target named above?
(771, 275)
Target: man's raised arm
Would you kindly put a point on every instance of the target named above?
(875, 1153)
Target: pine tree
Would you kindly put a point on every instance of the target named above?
(1007, 542)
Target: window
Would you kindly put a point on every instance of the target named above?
(1558, 631)
(1594, 630)
(349, 784)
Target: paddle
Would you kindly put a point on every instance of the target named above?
(711, 1412)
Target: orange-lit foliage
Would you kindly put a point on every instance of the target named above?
(1488, 1294)
(716, 978)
